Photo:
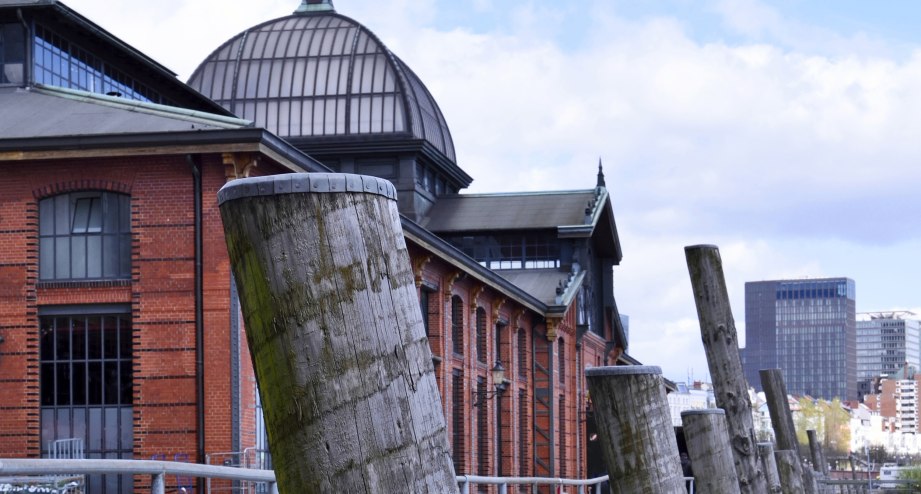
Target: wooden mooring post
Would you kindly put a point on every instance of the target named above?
(710, 452)
(775, 394)
(766, 452)
(334, 327)
(635, 429)
(720, 339)
(790, 471)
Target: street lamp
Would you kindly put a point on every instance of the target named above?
(498, 379)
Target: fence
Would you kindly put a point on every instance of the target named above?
(874, 486)
(581, 486)
(158, 470)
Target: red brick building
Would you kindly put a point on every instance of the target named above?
(118, 316)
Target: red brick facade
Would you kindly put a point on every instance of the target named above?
(540, 435)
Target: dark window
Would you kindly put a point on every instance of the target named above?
(562, 426)
(85, 235)
(12, 54)
(425, 303)
(482, 430)
(457, 324)
(86, 387)
(512, 251)
(481, 334)
(522, 354)
(458, 445)
(524, 469)
(561, 354)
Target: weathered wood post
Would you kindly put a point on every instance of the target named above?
(766, 452)
(335, 331)
(635, 429)
(718, 332)
(819, 464)
(775, 394)
(707, 438)
(790, 471)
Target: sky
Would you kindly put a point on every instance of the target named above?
(785, 132)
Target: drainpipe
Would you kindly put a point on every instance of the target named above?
(195, 164)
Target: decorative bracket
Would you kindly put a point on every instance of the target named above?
(241, 163)
(419, 267)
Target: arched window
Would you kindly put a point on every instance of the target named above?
(522, 354)
(481, 334)
(561, 353)
(85, 236)
(457, 324)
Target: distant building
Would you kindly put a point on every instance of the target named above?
(806, 328)
(696, 396)
(898, 399)
(886, 342)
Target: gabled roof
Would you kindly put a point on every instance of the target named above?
(44, 111)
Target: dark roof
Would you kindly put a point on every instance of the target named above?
(55, 112)
(321, 74)
(39, 121)
(540, 283)
(518, 211)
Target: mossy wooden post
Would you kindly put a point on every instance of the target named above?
(766, 452)
(775, 394)
(707, 438)
(335, 331)
(819, 465)
(790, 471)
(718, 332)
(635, 429)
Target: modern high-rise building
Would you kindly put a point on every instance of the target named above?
(808, 329)
(886, 343)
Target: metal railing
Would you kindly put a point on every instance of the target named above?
(582, 486)
(158, 470)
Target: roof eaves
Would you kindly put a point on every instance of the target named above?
(586, 229)
(564, 300)
(193, 116)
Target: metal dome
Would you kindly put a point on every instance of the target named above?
(321, 74)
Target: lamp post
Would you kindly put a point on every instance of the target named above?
(499, 383)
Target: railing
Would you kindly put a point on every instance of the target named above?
(870, 487)
(465, 481)
(158, 470)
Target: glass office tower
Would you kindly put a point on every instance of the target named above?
(808, 329)
(886, 342)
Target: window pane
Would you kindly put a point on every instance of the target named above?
(124, 256)
(93, 257)
(79, 383)
(110, 212)
(110, 254)
(46, 217)
(94, 224)
(47, 384)
(94, 383)
(109, 338)
(124, 213)
(46, 258)
(81, 215)
(62, 378)
(62, 258)
(94, 338)
(62, 214)
(112, 391)
(62, 342)
(78, 257)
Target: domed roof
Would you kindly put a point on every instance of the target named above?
(317, 73)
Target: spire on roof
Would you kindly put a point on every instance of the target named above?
(600, 174)
(308, 6)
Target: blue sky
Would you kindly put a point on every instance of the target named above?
(785, 132)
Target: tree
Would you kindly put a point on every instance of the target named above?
(829, 420)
